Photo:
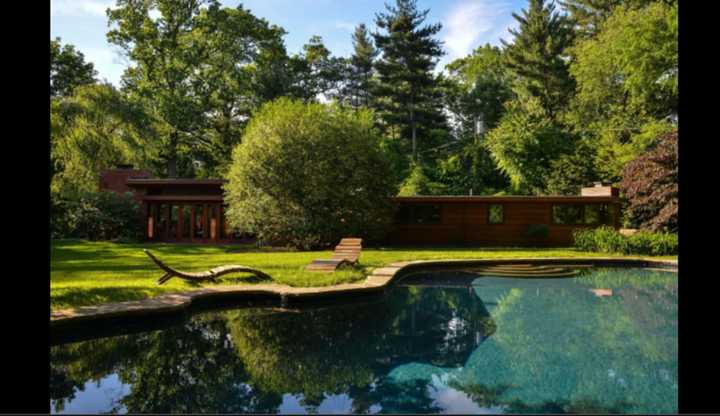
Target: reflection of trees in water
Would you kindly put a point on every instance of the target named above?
(489, 397)
(246, 359)
(347, 349)
(181, 369)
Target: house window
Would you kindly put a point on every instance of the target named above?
(495, 214)
(599, 214)
(418, 214)
(567, 214)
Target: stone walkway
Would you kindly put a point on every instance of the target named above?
(379, 279)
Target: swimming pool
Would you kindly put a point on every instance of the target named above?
(436, 342)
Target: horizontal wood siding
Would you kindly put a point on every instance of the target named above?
(467, 224)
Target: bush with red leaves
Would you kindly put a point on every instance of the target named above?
(650, 184)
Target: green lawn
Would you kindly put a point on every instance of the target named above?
(89, 273)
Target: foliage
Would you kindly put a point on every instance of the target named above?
(418, 183)
(572, 171)
(588, 16)
(68, 69)
(650, 184)
(478, 87)
(360, 82)
(100, 216)
(165, 55)
(316, 73)
(406, 90)
(94, 129)
(525, 144)
(238, 70)
(536, 57)
(308, 175)
(471, 170)
(627, 84)
(608, 240)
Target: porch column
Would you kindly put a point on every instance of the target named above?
(205, 222)
(192, 222)
(181, 221)
(213, 223)
(166, 231)
(150, 221)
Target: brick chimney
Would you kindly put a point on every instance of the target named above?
(599, 189)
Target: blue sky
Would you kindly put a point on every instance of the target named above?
(466, 24)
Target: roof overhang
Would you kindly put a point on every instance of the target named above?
(504, 199)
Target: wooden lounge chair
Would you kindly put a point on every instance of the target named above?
(346, 253)
(210, 275)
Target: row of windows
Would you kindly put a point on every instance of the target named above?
(589, 214)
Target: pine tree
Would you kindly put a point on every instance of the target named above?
(588, 15)
(407, 93)
(537, 58)
(360, 71)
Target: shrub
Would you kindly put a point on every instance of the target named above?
(307, 175)
(101, 216)
(650, 184)
(609, 240)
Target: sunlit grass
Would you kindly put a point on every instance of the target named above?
(90, 273)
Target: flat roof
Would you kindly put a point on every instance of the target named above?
(505, 198)
(175, 182)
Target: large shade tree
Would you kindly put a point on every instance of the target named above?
(627, 84)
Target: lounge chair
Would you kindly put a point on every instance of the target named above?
(346, 253)
(210, 275)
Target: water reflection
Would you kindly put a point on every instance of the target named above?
(484, 346)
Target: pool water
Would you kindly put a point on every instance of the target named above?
(437, 342)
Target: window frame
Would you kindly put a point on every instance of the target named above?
(574, 204)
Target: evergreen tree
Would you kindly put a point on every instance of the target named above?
(407, 92)
(360, 70)
(536, 56)
(316, 72)
(588, 15)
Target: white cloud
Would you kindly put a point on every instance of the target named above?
(471, 23)
(340, 24)
(79, 7)
(109, 62)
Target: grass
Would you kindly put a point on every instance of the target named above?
(89, 273)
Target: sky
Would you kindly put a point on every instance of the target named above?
(467, 24)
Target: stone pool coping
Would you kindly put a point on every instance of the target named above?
(377, 281)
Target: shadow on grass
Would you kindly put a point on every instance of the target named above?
(95, 296)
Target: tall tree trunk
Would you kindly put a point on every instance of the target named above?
(413, 129)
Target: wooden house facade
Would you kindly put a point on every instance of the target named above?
(192, 210)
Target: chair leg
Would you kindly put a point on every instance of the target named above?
(164, 278)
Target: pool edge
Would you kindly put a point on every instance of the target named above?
(377, 281)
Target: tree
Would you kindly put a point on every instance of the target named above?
(627, 84)
(308, 175)
(525, 144)
(316, 73)
(650, 184)
(237, 74)
(68, 69)
(94, 129)
(537, 57)
(166, 54)
(572, 171)
(478, 87)
(360, 71)
(406, 88)
(589, 15)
